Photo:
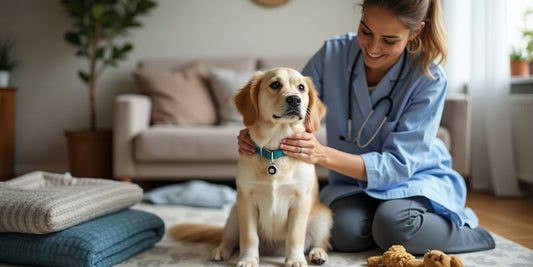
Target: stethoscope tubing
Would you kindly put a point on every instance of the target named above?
(386, 98)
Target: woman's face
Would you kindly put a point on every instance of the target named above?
(382, 38)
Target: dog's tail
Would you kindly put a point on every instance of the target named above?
(196, 233)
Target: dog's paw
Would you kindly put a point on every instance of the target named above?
(318, 256)
(221, 253)
(296, 262)
(247, 263)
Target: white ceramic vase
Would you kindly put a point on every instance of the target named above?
(4, 78)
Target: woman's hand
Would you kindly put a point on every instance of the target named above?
(304, 146)
(246, 145)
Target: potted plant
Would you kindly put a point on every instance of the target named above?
(6, 62)
(519, 63)
(528, 38)
(96, 24)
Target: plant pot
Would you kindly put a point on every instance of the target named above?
(4, 78)
(90, 152)
(519, 68)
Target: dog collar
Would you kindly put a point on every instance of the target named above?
(269, 154)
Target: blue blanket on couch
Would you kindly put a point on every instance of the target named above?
(103, 241)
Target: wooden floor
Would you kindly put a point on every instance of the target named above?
(511, 218)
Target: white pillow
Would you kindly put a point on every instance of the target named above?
(226, 83)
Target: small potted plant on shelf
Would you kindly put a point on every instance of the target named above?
(528, 38)
(96, 24)
(7, 64)
(519, 63)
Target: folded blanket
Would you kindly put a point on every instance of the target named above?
(104, 241)
(41, 202)
(196, 193)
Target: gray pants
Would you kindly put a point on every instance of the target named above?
(361, 222)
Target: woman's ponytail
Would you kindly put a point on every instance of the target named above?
(433, 46)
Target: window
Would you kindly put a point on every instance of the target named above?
(518, 23)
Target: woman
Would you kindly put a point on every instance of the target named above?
(391, 180)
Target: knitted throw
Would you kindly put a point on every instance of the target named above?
(41, 202)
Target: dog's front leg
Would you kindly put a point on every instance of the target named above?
(229, 238)
(248, 237)
(297, 227)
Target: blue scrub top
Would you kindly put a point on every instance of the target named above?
(406, 158)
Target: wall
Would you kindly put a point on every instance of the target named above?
(51, 98)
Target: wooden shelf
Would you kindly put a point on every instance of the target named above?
(7, 134)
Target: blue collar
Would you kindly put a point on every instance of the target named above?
(270, 155)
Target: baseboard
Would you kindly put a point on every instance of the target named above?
(21, 169)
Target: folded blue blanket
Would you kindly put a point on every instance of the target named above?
(103, 241)
(196, 193)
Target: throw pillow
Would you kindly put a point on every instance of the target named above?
(225, 84)
(179, 97)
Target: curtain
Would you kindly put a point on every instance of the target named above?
(479, 61)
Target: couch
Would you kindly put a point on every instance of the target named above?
(147, 145)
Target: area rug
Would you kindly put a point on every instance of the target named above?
(172, 253)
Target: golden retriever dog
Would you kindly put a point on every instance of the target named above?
(278, 206)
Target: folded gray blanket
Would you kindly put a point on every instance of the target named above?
(41, 202)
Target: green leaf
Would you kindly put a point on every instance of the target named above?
(127, 48)
(144, 6)
(115, 53)
(84, 76)
(100, 53)
(73, 38)
(82, 52)
(98, 11)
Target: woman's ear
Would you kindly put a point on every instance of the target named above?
(246, 100)
(415, 34)
(316, 109)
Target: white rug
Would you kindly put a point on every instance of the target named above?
(172, 253)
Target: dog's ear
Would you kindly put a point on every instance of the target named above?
(246, 100)
(316, 109)
(456, 262)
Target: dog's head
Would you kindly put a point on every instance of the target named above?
(280, 95)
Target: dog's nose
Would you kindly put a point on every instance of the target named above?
(293, 100)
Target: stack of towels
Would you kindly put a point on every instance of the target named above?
(58, 220)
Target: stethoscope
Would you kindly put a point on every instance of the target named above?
(386, 98)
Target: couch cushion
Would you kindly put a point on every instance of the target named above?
(225, 83)
(179, 97)
(187, 144)
(167, 144)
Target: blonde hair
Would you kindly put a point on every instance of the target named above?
(430, 45)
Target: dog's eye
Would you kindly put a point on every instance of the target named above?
(301, 87)
(275, 85)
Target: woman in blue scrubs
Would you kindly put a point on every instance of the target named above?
(391, 179)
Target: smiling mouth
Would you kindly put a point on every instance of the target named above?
(289, 114)
(374, 56)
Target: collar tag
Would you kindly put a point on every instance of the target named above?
(270, 155)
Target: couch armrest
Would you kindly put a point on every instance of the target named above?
(131, 115)
(456, 117)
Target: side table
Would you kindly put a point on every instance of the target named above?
(7, 133)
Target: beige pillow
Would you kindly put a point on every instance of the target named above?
(225, 84)
(179, 97)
